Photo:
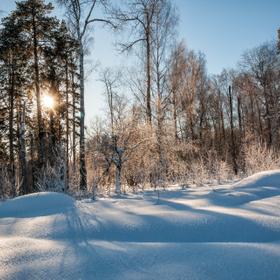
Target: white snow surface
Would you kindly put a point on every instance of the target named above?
(224, 232)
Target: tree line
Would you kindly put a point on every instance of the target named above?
(167, 120)
(37, 59)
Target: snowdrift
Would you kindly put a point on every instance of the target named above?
(226, 232)
(36, 204)
(265, 178)
(256, 187)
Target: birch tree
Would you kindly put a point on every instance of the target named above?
(138, 16)
(81, 15)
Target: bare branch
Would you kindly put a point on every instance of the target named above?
(102, 20)
(126, 47)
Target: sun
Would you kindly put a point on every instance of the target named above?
(48, 101)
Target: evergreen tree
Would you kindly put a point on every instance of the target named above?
(37, 25)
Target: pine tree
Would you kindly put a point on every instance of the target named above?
(37, 25)
(33, 47)
(14, 70)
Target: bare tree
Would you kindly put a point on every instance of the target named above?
(117, 143)
(80, 16)
(163, 28)
(139, 16)
(232, 136)
(176, 80)
(260, 63)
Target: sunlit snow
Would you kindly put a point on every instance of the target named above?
(225, 232)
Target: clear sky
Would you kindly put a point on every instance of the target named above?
(222, 29)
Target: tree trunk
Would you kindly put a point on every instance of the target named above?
(41, 140)
(252, 115)
(268, 120)
(74, 121)
(83, 172)
(118, 182)
(175, 115)
(22, 153)
(233, 146)
(11, 133)
(67, 128)
(239, 116)
(148, 69)
(31, 164)
(260, 120)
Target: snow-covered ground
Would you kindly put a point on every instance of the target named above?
(225, 232)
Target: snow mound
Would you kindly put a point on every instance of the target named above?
(266, 178)
(36, 204)
(256, 187)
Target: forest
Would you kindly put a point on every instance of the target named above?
(177, 176)
(167, 120)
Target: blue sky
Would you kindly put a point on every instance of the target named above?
(222, 29)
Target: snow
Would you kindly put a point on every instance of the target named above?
(37, 204)
(225, 232)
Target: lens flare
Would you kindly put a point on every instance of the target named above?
(48, 101)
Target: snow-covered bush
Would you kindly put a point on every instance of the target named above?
(260, 158)
(52, 177)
